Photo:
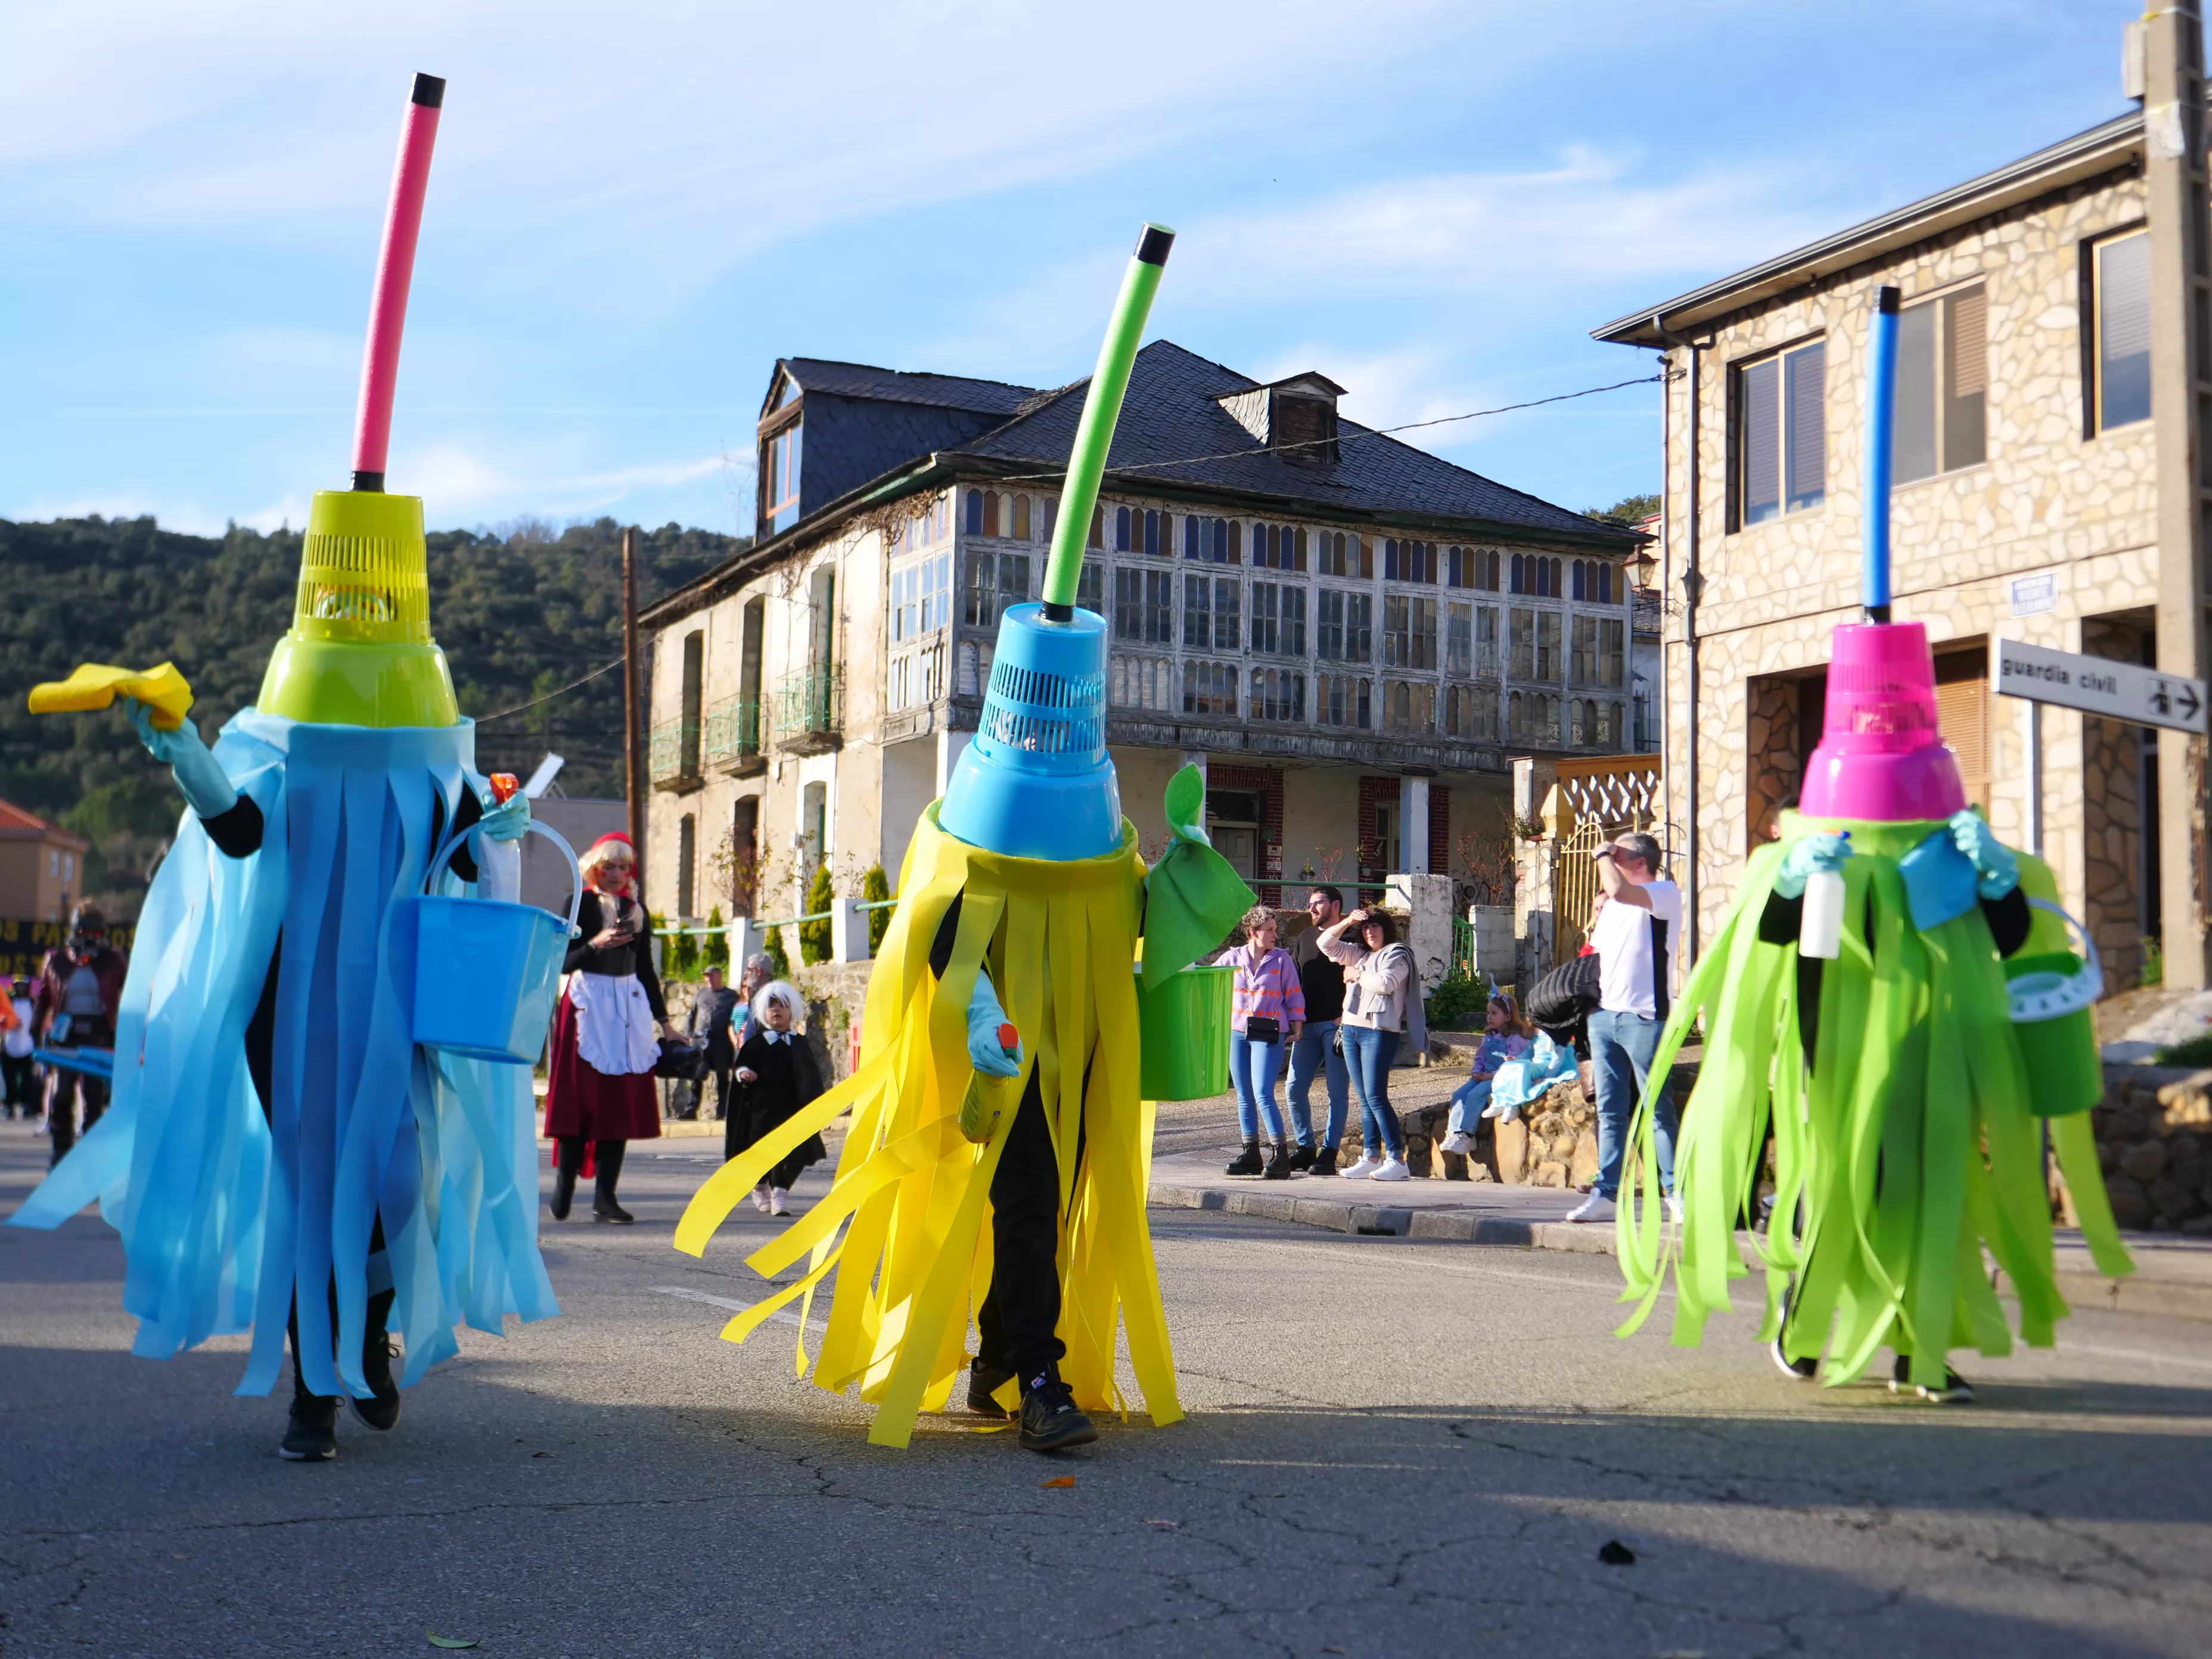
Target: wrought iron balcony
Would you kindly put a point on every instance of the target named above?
(672, 756)
(809, 710)
(731, 741)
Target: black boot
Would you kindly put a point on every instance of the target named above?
(984, 1380)
(1280, 1165)
(1324, 1162)
(381, 1411)
(569, 1159)
(609, 1157)
(1050, 1419)
(1302, 1158)
(1247, 1161)
(312, 1435)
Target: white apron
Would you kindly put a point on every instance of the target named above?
(615, 1034)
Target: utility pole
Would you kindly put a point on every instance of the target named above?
(2167, 61)
(632, 793)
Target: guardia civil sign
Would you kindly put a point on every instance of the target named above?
(2098, 685)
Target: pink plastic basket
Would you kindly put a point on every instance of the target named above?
(1881, 758)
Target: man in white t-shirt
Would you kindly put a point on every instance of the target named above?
(1638, 938)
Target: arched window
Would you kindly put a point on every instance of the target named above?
(1516, 717)
(974, 512)
(1152, 530)
(1517, 588)
(1604, 584)
(1557, 586)
(1021, 528)
(1098, 528)
(1224, 533)
(990, 513)
(1121, 530)
(1616, 735)
(1193, 538)
(1578, 581)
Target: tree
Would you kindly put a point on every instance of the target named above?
(1630, 510)
(716, 954)
(815, 940)
(875, 888)
(776, 954)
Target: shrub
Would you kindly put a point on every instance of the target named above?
(816, 940)
(875, 888)
(2193, 1051)
(776, 953)
(716, 951)
(1455, 1001)
(679, 953)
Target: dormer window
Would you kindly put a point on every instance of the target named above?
(779, 471)
(1296, 418)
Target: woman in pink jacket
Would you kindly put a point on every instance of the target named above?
(1267, 1010)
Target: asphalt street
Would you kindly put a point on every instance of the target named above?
(1393, 1447)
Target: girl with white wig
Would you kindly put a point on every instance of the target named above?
(777, 1076)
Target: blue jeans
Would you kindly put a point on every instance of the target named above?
(1315, 1051)
(1621, 1048)
(1468, 1102)
(1368, 1054)
(1253, 1068)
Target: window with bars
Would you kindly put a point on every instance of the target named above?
(1343, 700)
(1942, 385)
(995, 580)
(1409, 632)
(1778, 426)
(1409, 706)
(1582, 662)
(1547, 644)
(1611, 651)
(1143, 606)
(1278, 694)
(1144, 683)
(1471, 713)
(1209, 688)
(1211, 614)
(1090, 586)
(2120, 278)
(1336, 554)
(1279, 619)
(1459, 640)
(1342, 631)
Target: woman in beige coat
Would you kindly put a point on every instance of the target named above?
(1378, 982)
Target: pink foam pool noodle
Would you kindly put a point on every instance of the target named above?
(395, 269)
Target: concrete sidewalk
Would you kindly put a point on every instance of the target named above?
(2173, 1275)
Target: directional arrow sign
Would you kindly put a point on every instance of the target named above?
(2098, 686)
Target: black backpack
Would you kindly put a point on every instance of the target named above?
(1564, 998)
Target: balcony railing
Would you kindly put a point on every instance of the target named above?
(672, 755)
(809, 710)
(732, 740)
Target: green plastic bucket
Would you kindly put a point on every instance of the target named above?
(1184, 1025)
(2065, 1074)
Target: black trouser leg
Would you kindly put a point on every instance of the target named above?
(1018, 1319)
(607, 1162)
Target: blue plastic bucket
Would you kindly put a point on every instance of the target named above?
(1036, 781)
(487, 973)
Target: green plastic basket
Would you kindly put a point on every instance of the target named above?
(1184, 1025)
(2065, 1074)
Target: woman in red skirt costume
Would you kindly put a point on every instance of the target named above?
(605, 1036)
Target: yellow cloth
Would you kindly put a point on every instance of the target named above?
(912, 1194)
(95, 685)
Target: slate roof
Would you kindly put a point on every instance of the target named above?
(897, 386)
(1172, 414)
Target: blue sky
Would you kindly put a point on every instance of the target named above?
(635, 209)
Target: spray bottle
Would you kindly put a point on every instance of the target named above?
(1820, 923)
(499, 863)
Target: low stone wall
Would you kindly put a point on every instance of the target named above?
(2155, 1141)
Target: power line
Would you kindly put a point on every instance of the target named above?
(485, 720)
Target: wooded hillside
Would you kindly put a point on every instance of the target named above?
(519, 615)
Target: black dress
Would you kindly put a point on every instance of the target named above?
(786, 1078)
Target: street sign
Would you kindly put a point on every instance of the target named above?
(2098, 685)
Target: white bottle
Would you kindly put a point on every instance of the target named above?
(1820, 923)
(499, 863)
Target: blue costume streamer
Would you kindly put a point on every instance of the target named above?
(224, 1214)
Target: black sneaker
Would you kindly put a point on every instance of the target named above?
(1302, 1158)
(1279, 1164)
(312, 1436)
(1324, 1162)
(381, 1411)
(605, 1209)
(1803, 1370)
(1050, 1421)
(1247, 1162)
(1955, 1390)
(564, 1194)
(984, 1381)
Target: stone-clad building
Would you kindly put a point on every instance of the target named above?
(1350, 634)
(2046, 414)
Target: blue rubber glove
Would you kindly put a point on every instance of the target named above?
(985, 1016)
(1804, 857)
(510, 820)
(1997, 871)
(207, 789)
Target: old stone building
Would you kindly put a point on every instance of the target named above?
(2046, 413)
(1351, 634)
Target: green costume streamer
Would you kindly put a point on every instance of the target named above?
(1908, 1156)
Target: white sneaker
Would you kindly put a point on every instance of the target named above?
(1674, 1208)
(1364, 1170)
(1458, 1141)
(776, 1204)
(760, 1198)
(1593, 1208)
(1497, 1109)
(1391, 1169)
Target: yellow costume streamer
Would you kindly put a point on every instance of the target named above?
(94, 685)
(911, 1193)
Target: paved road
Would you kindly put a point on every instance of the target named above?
(1394, 1447)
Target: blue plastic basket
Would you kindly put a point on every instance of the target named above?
(1037, 782)
(486, 973)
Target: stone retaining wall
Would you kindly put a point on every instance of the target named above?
(2155, 1141)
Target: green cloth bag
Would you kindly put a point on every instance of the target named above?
(1192, 896)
